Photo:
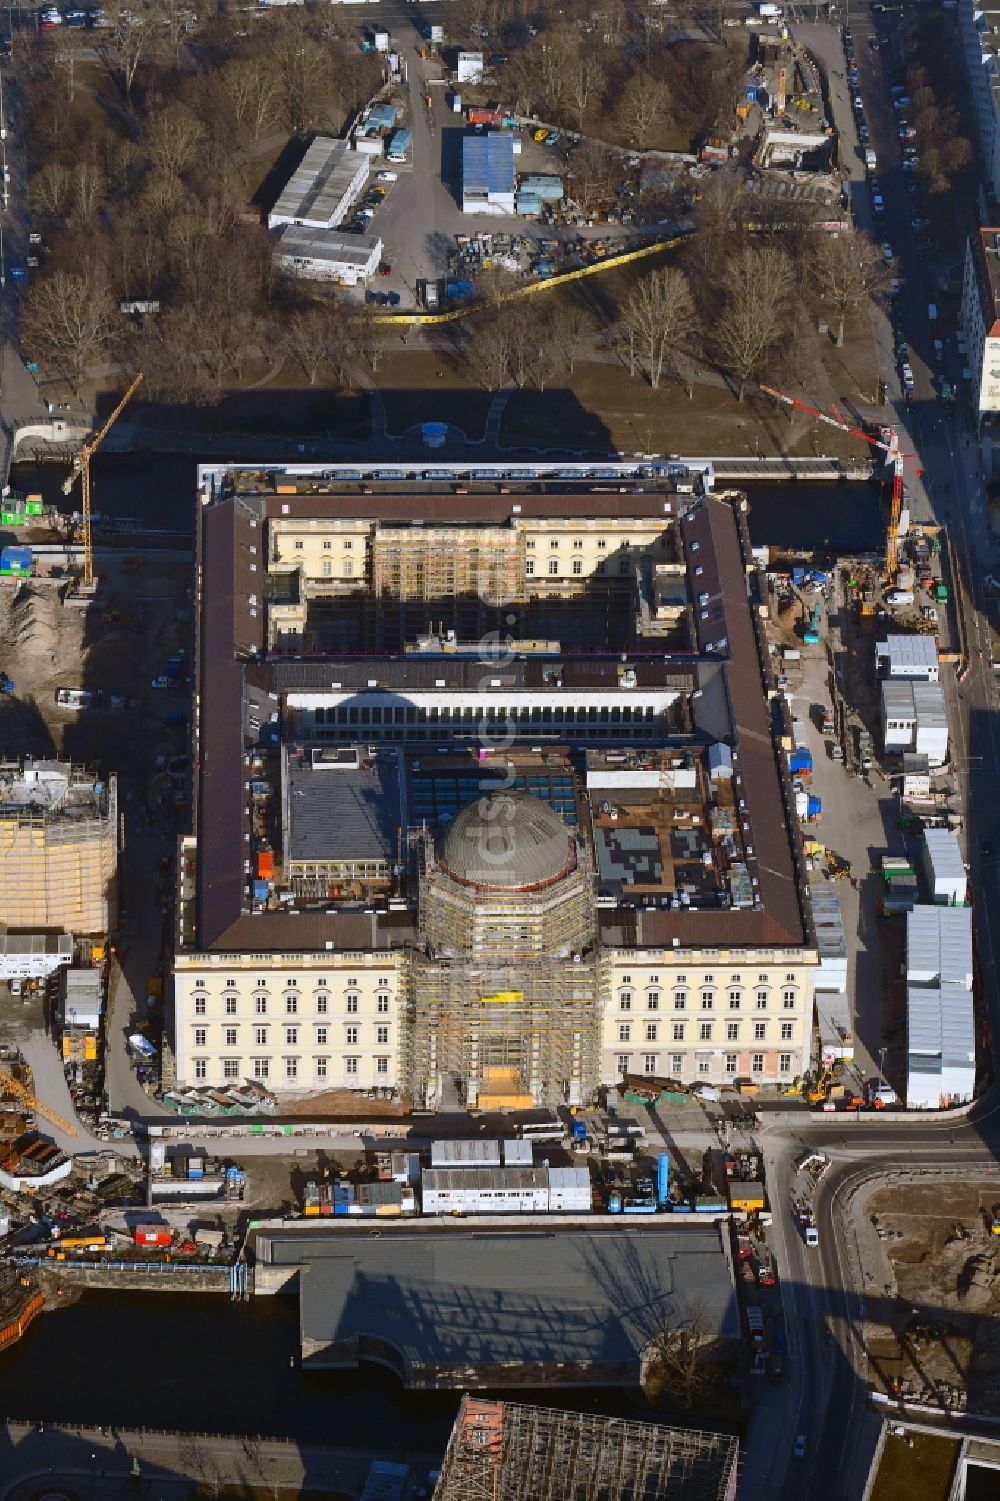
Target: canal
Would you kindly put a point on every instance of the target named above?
(158, 489)
(201, 1362)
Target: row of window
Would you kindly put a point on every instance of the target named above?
(651, 1063)
(233, 1068)
(734, 999)
(261, 1036)
(321, 1003)
(261, 982)
(371, 714)
(624, 567)
(705, 1031)
(762, 979)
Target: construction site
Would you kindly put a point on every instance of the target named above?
(504, 1451)
(938, 1342)
(58, 847)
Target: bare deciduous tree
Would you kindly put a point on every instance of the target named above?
(51, 190)
(758, 290)
(847, 269)
(659, 316)
(571, 331)
(89, 186)
(680, 1359)
(306, 338)
(129, 37)
(174, 139)
(370, 336)
(487, 354)
(68, 320)
(645, 108)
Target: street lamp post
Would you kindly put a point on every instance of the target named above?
(881, 1067)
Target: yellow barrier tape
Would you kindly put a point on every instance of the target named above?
(627, 256)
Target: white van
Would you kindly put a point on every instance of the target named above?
(871, 160)
(899, 597)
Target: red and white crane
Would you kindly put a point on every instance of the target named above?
(888, 443)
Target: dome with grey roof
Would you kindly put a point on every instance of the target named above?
(508, 841)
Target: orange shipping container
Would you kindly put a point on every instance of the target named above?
(265, 865)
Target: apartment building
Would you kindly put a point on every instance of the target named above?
(981, 319)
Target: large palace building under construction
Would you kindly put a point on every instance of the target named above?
(490, 801)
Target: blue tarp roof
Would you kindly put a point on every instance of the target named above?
(488, 164)
(15, 560)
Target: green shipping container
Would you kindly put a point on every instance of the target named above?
(11, 518)
(35, 508)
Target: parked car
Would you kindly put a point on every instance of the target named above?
(387, 177)
(799, 1447)
(888, 254)
(162, 681)
(552, 138)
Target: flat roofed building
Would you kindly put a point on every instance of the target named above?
(488, 173)
(578, 1308)
(908, 657)
(655, 843)
(322, 187)
(327, 255)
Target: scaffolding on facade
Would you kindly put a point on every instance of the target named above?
(505, 1451)
(58, 847)
(506, 992)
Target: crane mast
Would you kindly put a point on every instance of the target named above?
(889, 445)
(81, 467)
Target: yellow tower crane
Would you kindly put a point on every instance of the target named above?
(81, 467)
(11, 1086)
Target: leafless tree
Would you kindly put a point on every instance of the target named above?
(592, 174)
(487, 353)
(585, 80)
(645, 108)
(89, 185)
(847, 269)
(66, 56)
(571, 331)
(370, 336)
(174, 139)
(758, 293)
(681, 1358)
(68, 320)
(129, 37)
(249, 85)
(659, 316)
(51, 190)
(306, 337)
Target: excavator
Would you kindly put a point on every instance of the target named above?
(20, 1092)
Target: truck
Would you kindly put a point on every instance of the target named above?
(430, 296)
(755, 1325)
(480, 114)
(871, 160)
(399, 145)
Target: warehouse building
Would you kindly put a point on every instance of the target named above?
(488, 174)
(325, 255)
(499, 883)
(947, 877)
(576, 1309)
(322, 187)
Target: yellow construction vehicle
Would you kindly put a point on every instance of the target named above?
(81, 467)
(817, 1093)
(20, 1092)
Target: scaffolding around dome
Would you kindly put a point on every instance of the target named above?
(508, 977)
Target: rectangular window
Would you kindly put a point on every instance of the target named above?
(200, 1036)
(352, 1037)
(625, 1002)
(653, 1000)
(707, 1000)
(705, 1031)
(383, 1004)
(759, 1031)
(650, 1031)
(200, 1068)
(230, 1005)
(735, 996)
(352, 1005)
(261, 1068)
(199, 1005)
(678, 1031)
(260, 1005)
(732, 1031)
(649, 1063)
(623, 1063)
(381, 1065)
(529, 566)
(756, 1063)
(577, 565)
(260, 1037)
(291, 1005)
(788, 1000)
(787, 1031)
(784, 1063)
(321, 1003)
(731, 1063)
(677, 1063)
(321, 1036)
(680, 1000)
(291, 1037)
(350, 1066)
(320, 1067)
(382, 1036)
(230, 1068)
(704, 1065)
(230, 1037)
(291, 1068)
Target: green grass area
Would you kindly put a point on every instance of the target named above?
(916, 1467)
(309, 412)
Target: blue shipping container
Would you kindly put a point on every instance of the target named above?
(16, 561)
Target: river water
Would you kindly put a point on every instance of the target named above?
(159, 490)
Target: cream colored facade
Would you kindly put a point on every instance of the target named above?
(294, 1023)
(708, 1017)
(342, 555)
